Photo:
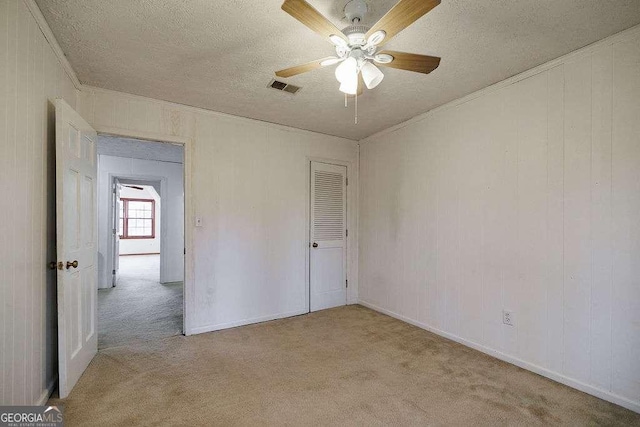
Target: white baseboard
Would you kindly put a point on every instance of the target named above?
(220, 326)
(46, 394)
(578, 385)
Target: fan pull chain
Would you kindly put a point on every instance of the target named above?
(356, 108)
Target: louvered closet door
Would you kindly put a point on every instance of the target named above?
(328, 251)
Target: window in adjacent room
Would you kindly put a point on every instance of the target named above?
(137, 219)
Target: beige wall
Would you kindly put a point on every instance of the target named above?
(525, 197)
(31, 78)
(249, 183)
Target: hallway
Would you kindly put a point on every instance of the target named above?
(140, 308)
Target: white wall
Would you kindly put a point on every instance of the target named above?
(143, 246)
(524, 196)
(249, 183)
(31, 78)
(172, 228)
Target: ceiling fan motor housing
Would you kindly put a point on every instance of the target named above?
(356, 34)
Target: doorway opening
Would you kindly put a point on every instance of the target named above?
(137, 211)
(141, 240)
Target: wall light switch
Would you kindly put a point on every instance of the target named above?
(198, 221)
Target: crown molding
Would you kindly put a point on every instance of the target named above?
(48, 35)
(92, 90)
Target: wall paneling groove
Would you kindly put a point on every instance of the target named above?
(524, 197)
(31, 77)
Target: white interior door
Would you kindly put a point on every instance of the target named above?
(76, 223)
(328, 229)
(117, 207)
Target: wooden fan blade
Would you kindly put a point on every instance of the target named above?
(403, 14)
(299, 69)
(305, 13)
(411, 62)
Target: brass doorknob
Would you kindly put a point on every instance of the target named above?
(73, 264)
(315, 245)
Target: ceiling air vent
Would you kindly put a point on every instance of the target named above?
(278, 85)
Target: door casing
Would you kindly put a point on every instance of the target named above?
(187, 143)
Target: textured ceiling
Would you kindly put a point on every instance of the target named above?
(220, 55)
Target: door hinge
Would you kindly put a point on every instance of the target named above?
(114, 231)
(346, 282)
(347, 181)
(185, 251)
(113, 272)
(347, 233)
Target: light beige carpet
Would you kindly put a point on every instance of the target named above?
(345, 366)
(140, 308)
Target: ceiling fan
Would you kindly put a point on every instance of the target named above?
(358, 46)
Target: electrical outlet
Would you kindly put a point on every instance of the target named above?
(508, 318)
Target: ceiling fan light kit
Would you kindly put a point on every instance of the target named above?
(371, 75)
(347, 69)
(357, 45)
